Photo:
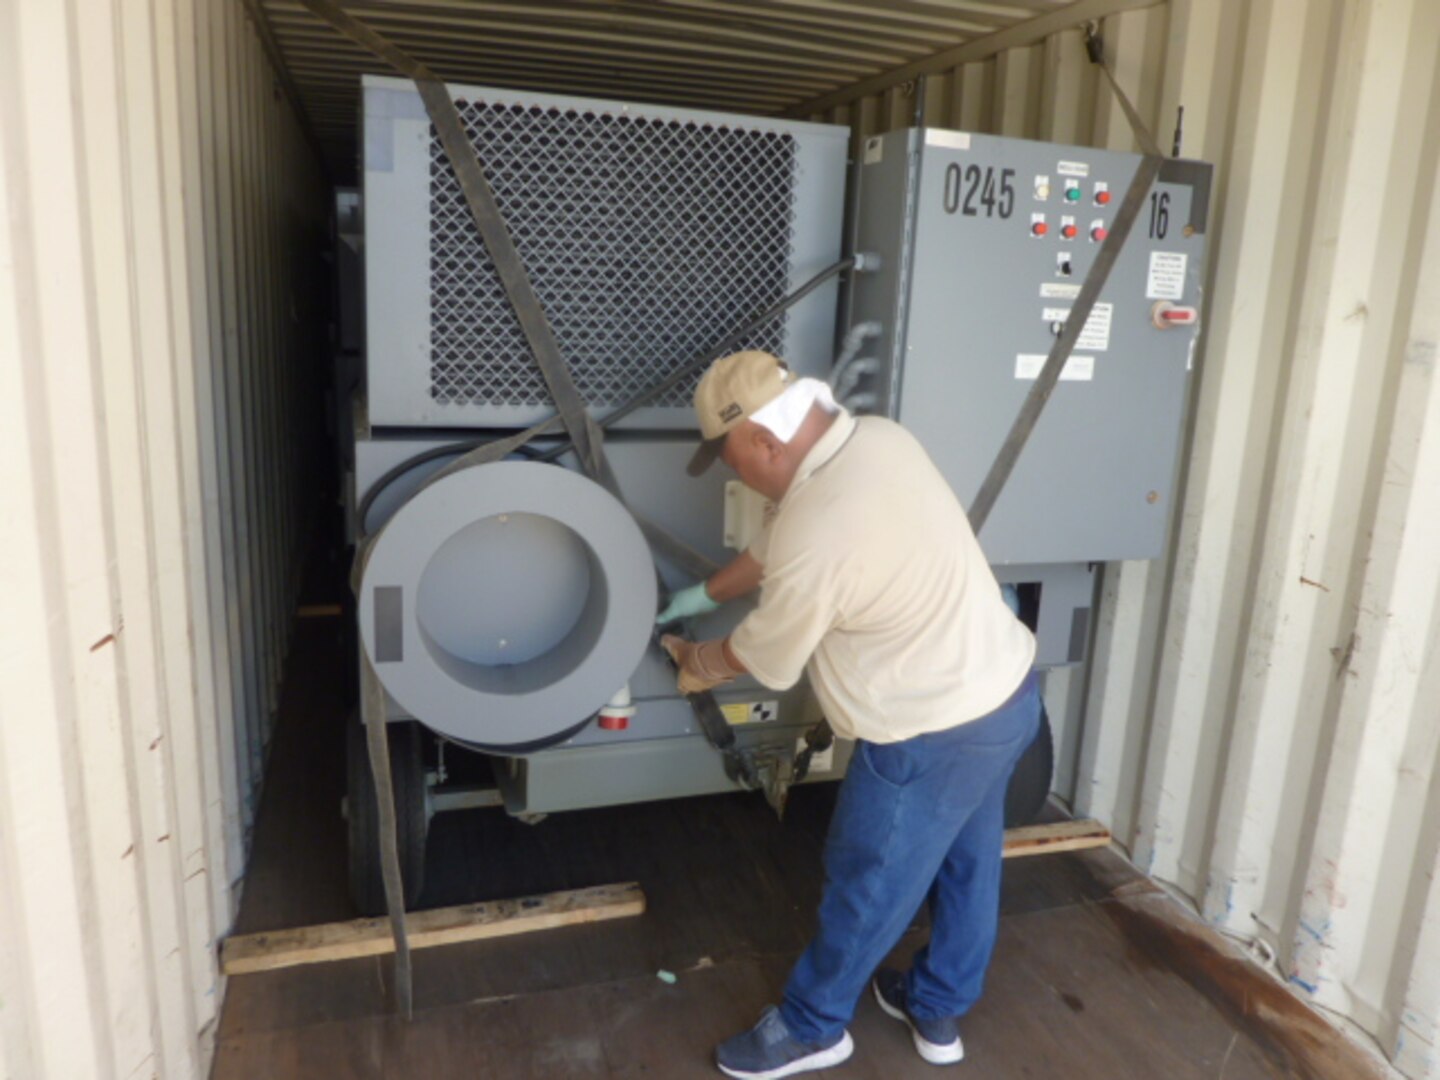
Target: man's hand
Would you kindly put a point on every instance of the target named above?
(703, 665)
(686, 604)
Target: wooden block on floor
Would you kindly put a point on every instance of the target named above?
(318, 611)
(248, 953)
(1054, 837)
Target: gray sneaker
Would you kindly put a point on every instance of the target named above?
(938, 1041)
(768, 1051)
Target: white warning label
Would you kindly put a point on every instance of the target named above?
(1073, 168)
(874, 150)
(1077, 368)
(951, 140)
(1167, 275)
(1096, 335)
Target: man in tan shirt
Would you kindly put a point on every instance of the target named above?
(872, 582)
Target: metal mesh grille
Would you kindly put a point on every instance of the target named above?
(646, 239)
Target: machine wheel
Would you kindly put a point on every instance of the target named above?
(1030, 782)
(407, 770)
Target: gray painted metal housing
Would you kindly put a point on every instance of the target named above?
(984, 243)
(649, 234)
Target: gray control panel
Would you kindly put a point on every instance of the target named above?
(983, 244)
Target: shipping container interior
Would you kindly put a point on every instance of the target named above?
(1258, 721)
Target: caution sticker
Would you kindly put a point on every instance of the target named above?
(1096, 335)
(1166, 280)
(752, 712)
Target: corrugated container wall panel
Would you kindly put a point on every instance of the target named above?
(158, 337)
(1259, 722)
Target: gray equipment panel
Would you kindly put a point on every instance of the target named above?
(649, 233)
(971, 298)
(1058, 601)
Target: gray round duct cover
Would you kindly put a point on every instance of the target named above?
(507, 603)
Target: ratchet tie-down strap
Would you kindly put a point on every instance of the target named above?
(572, 417)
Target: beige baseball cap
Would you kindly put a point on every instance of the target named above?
(733, 388)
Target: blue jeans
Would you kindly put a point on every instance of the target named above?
(914, 819)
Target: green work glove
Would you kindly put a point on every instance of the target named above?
(686, 604)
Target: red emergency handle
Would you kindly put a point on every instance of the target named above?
(1165, 315)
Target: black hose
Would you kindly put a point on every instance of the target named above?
(391, 475)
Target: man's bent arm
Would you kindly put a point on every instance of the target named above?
(732, 659)
(739, 577)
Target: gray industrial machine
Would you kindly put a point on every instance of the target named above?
(508, 607)
(983, 243)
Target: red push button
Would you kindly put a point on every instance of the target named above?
(1099, 233)
(1069, 232)
(1039, 228)
(1102, 198)
(608, 722)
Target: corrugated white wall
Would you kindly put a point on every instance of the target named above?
(1260, 722)
(161, 212)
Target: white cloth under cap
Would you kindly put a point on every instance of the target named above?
(783, 416)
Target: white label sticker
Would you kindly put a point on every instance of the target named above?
(1077, 368)
(874, 148)
(1096, 335)
(952, 140)
(1167, 275)
(1055, 290)
(822, 761)
(1073, 168)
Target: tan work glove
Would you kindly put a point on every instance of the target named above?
(702, 664)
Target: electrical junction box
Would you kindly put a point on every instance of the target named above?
(983, 244)
(649, 234)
